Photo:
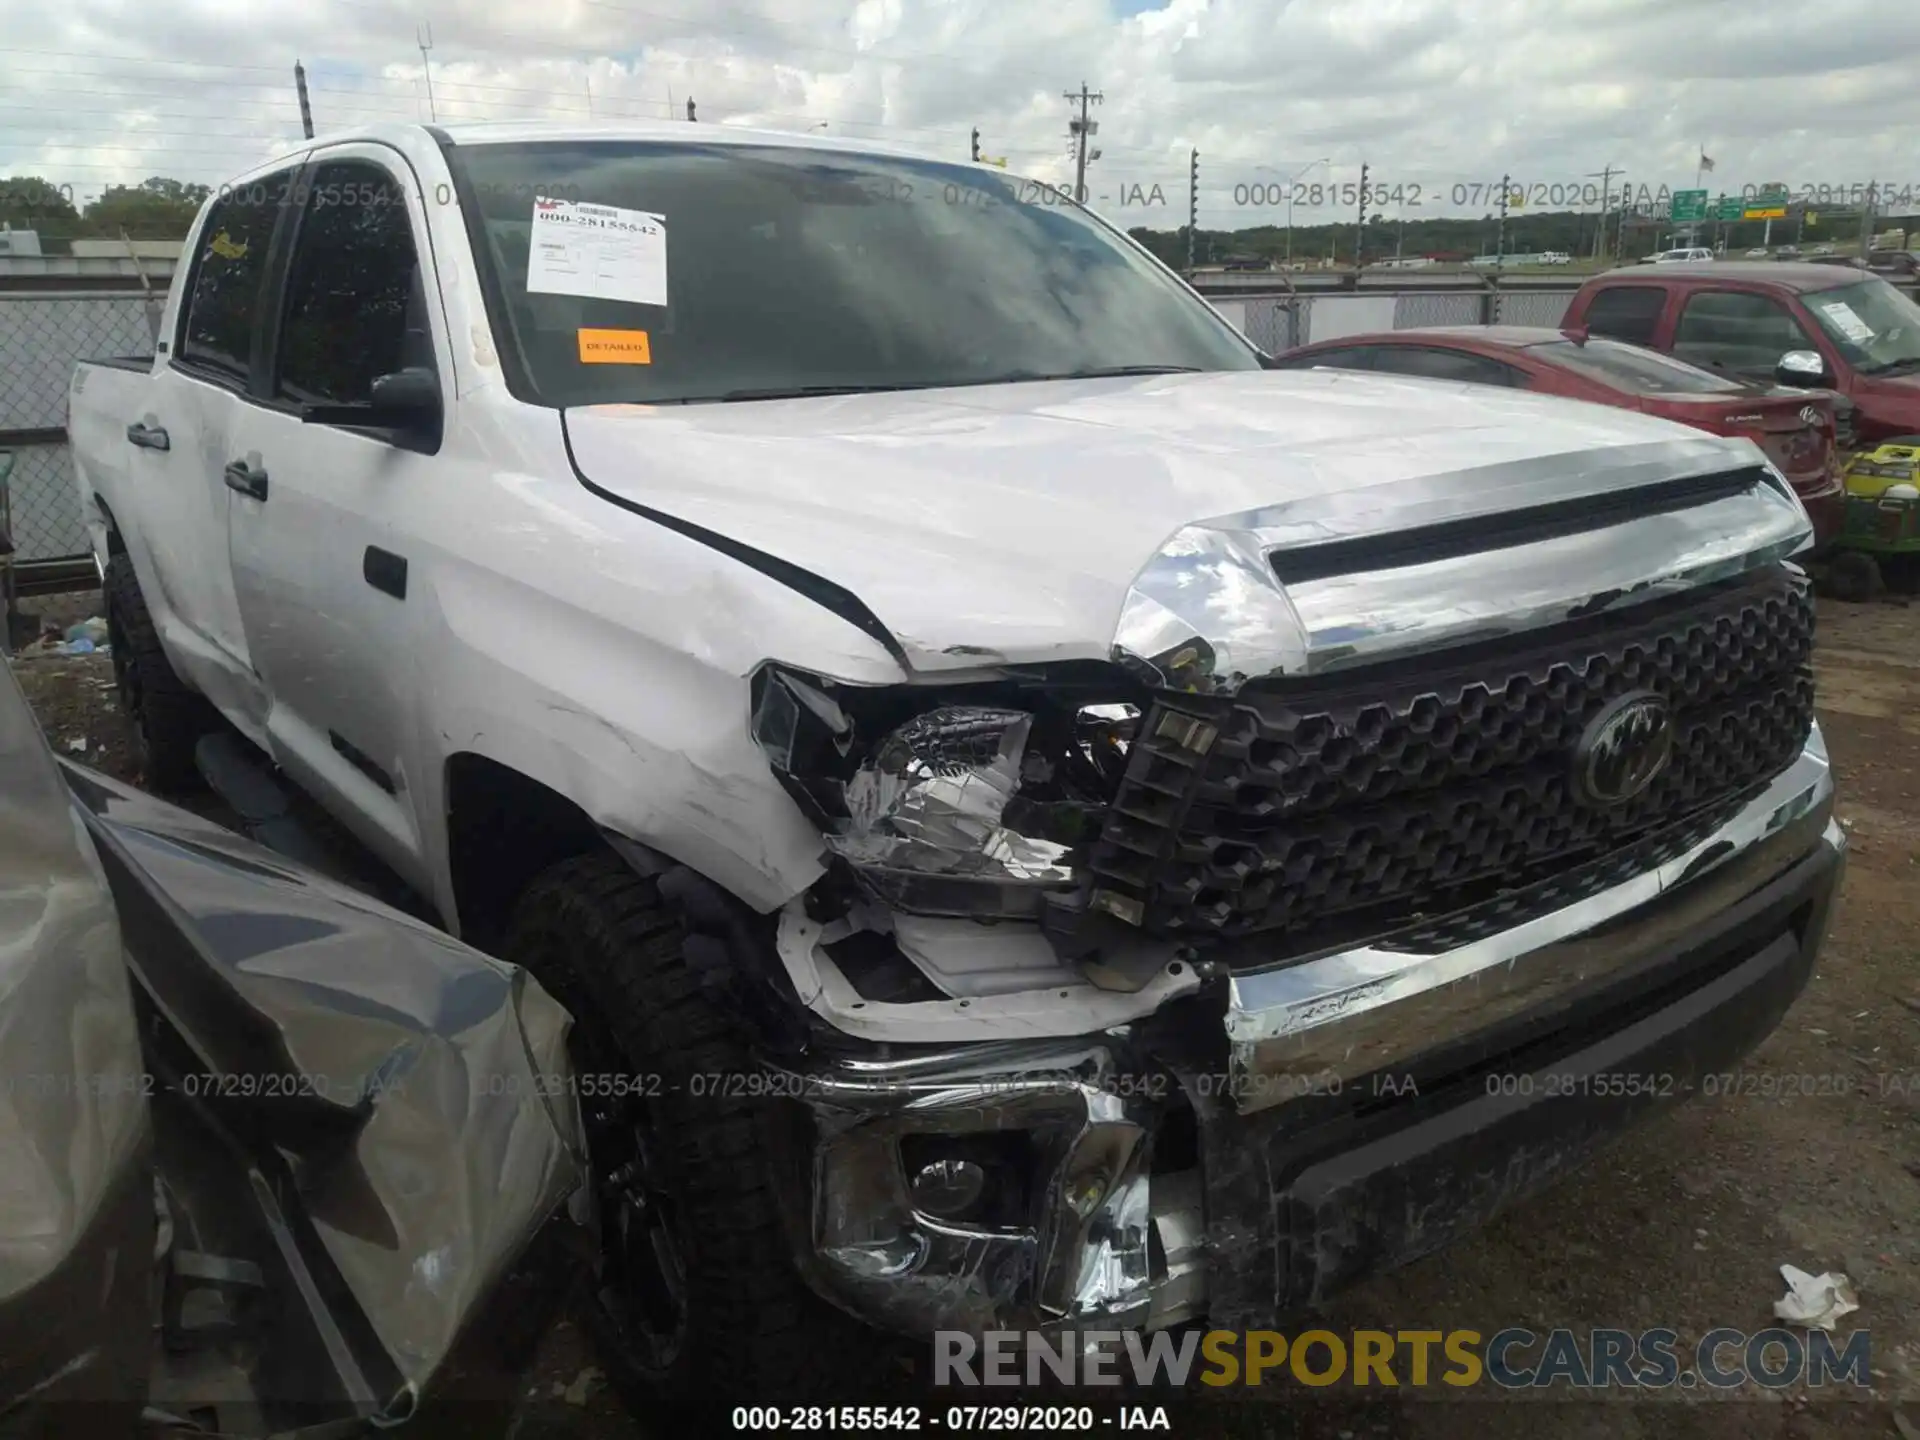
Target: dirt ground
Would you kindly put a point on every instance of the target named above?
(1683, 1224)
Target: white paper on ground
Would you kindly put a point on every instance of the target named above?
(599, 252)
(1851, 325)
(1814, 1300)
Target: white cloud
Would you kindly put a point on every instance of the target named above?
(1430, 91)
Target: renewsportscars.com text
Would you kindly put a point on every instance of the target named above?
(1509, 1359)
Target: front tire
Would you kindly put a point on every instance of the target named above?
(697, 1296)
(168, 718)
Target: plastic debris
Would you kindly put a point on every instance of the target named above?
(583, 1385)
(80, 646)
(93, 630)
(1816, 1301)
(77, 746)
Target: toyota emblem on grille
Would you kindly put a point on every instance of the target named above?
(1623, 749)
(1809, 415)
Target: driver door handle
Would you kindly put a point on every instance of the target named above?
(246, 479)
(147, 437)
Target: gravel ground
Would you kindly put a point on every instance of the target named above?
(1683, 1224)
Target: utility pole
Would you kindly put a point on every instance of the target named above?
(1500, 235)
(1193, 204)
(976, 144)
(1360, 222)
(1866, 218)
(1620, 244)
(306, 110)
(1606, 209)
(425, 36)
(1080, 129)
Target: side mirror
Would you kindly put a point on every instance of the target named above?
(1801, 369)
(406, 397)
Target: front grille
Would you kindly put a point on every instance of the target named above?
(1390, 792)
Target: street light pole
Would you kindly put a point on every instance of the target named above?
(1293, 181)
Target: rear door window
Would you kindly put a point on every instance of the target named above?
(229, 270)
(1626, 312)
(1353, 357)
(1435, 363)
(1737, 331)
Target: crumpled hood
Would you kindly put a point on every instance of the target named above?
(1005, 522)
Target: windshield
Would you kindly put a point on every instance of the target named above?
(707, 272)
(1872, 324)
(1636, 371)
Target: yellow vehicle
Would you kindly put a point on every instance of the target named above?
(1882, 524)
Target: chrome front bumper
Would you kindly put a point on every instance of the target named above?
(1111, 1240)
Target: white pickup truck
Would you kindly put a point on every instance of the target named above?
(1040, 820)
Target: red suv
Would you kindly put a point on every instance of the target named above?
(1848, 331)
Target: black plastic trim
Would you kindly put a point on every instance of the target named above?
(385, 571)
(362, 762)
(1479, 534)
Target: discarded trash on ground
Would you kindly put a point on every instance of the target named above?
(49, 646)
(93, 631)
(1816, 1301)
(584, 1384)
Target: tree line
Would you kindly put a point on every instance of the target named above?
(158, 208)
(1570, 232)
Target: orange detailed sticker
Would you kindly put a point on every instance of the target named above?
(615, 347)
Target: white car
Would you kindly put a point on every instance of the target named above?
(1683, 256)
(1758, 252)
(1039, 818)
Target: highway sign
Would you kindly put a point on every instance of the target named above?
(1731, 207)
(1688, 205)
(1768, 212)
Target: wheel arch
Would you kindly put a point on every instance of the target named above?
(506, 828)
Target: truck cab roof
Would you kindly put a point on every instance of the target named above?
(1779, 275)
(404, 135)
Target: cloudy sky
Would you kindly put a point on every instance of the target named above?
(1439, 97)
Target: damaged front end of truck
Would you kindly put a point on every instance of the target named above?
(1212, 978)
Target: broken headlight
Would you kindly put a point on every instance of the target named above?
(954, 809)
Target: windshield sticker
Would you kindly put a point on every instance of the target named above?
(1851, 325)
(223, 246)
(615, 347)
(598, 252)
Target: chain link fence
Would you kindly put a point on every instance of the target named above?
(1534, 307)
(1277, 324)
(1418, 311)
(41, 336)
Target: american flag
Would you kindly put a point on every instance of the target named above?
(1706, 162)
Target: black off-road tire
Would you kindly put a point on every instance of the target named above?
(167, 717)
(1854, 576)
(604, 943)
